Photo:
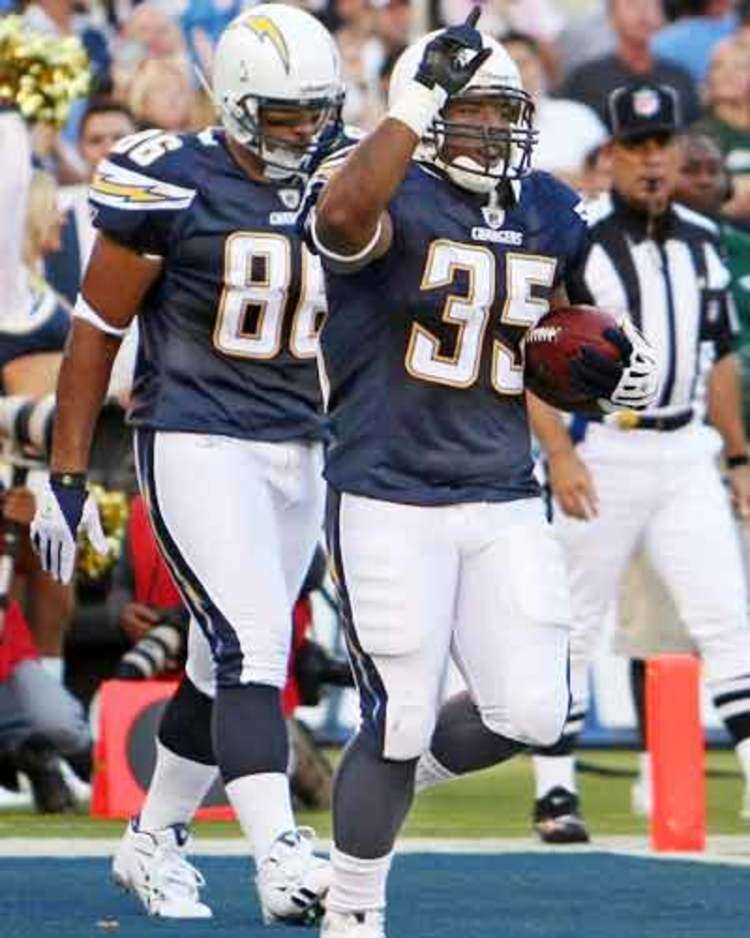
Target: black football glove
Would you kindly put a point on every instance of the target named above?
(446, 61)
(631, 382)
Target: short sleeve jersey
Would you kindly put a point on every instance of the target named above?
(423, 348)
(228, 333)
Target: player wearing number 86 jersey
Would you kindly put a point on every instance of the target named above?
(239, 304)
(197, 237)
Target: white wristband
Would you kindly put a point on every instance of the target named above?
(418, 106)
(361, 254)
(82, 310)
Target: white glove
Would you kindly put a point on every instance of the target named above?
(62, 512)
(639, 384)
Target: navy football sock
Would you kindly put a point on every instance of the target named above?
(371, 798)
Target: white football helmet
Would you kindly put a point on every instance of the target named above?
(505, 151)
(276, 56)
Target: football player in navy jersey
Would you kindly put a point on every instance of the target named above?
(440, 250)
(197, 235)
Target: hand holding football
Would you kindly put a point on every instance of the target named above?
(555, 351)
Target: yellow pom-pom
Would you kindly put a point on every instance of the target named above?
(42, 74)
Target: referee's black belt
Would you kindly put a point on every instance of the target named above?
(634, 420)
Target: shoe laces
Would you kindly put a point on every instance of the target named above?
(290, 855)
(174, 876)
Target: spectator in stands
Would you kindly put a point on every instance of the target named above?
(393, 25)
(568, 130)
(634, 22)
(362, 54)
(692, 37)
(587, 35)
(705, 185)
(540, 19)
(147, 34)
(103, 123)
(728, 119)
(39, 720)
(161, 95)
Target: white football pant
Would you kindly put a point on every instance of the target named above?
(483, 583)
(238, 521)
(662, 492)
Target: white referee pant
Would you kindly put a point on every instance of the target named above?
(482, 582)
(662, 492)
(237, 521)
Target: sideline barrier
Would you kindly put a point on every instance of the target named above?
(676, 743)
(125, 755)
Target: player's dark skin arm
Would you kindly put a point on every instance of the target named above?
(725, 413)
(115, 284)
(355, 198)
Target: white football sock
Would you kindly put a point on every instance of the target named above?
(554, 772)
(177, 788)
(358, 885)
(263, 807)
(55, 667)
(430, 772)
(743, 754)
(644, 763)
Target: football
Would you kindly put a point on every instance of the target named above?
(551, 346)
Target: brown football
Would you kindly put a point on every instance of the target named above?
(554, 342)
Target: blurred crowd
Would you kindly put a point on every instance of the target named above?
(152, 59)
(151, 63)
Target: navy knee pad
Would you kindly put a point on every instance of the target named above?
(249, 731)
(185, 727)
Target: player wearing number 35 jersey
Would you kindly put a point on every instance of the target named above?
(440, 251)
(197, 235)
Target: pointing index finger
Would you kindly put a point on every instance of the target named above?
(473, 18)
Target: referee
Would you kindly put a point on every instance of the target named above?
(650, 481)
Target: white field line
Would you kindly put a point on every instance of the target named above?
(723, 849)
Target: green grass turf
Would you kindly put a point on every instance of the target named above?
(494, 803)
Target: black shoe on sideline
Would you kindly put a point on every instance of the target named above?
(39, 761)
(556, 818)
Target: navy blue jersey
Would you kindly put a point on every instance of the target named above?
(45, 329)
(228, 333)
(423, 348)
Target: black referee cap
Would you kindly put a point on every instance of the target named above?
(641, 109)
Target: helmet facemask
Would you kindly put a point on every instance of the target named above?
(280, 157)
(498, 153)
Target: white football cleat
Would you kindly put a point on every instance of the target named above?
(354, 924)
(152, 866)
(291, 881)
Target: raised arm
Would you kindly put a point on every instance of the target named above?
(351, 226)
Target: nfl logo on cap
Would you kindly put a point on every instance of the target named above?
(641, 109)
(645, 102)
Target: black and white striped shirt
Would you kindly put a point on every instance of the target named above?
(671, 279)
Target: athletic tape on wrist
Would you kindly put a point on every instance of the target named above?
(418, 106)
(82, 310)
